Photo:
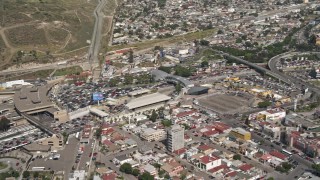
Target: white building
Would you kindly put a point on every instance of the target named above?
(10, 84)
(270, 115)
(175, 138)
(150, 134)
(209, 162)
(78, 175)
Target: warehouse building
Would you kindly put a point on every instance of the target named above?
(147, 102)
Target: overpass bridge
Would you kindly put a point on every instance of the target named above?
(256, 67)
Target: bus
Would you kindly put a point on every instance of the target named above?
(38, 168)
(286, 152)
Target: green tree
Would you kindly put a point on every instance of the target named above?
(166, 123)
(204, 64)
(167, 176)
(26, 174)
(4, 123)
(146, 176)
(153, 116)
(165, 69)
(98, 133)
(182, 71)
(126, 168)
(312, 39)
(130, 56)
(313, 73)
(237, 157)
(36, 174)
(204, 43)
(178, 87)
(136, 172)
(157, 165)
(220, 31)
(239, 40)
(264, 104)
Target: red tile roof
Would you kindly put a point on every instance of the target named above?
(231, 174)
(210, 133)
(107, 142)
(221, 127)
(107, 131)
(204, 147)
(208, 159)
(186, 113)
(246, 167)
(265, 157)
(278, 155)
(215, 169)
(180, 151)
(111, 176)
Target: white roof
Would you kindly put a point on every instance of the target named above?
(137, 92)
(147, 100)
(98, 112)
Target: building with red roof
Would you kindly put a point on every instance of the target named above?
(186, 113)
(205, 149)
(106, 129)
(221, 127)
(209, 162)
(265, 158)
(210, 133)
(278, 155)
(218, 169)
(245, 167)
(110, 176)
(180, 152)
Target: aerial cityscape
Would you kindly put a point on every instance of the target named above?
(160, 90)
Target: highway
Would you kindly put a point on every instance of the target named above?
(96, 35)
(259, 68)
(272, 64)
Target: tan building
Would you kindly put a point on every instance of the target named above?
(150, 134)
(55, 141)
(61, 116)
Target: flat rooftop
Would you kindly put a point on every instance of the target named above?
(240, 130)
(138, 92)
(32, 98)
(147, 100)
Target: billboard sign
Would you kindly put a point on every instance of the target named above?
(97, 96)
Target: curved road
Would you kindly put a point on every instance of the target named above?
(272, 64)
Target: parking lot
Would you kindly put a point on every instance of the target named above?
(64, 163)
(20, 136)
(72, 126)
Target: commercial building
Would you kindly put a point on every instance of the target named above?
(241, 133)
(175, 138)
(150, 134)
(270, 115)
(296, 120)
(148, 102)
(54, 141)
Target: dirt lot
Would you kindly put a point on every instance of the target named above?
(225, 103)
(46, 26)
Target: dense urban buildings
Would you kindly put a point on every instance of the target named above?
(161, 90)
